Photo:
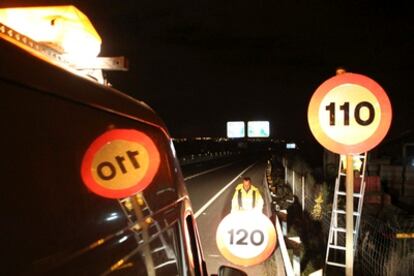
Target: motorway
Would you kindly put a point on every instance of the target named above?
(211, 187)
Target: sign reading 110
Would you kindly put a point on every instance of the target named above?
(345, 107)
(349, 113)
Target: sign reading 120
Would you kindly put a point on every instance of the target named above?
(246, 238)
(255, 237)
(349, 114)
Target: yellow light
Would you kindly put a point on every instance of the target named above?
(357, 163)
(64, 28)
(97, 243)
(128, 204)
(117, 264)
(148, 220)
(405, 235)
(136, 227)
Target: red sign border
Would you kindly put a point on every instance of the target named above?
(361, 80)
(120, 134)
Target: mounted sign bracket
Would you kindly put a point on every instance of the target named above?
(349, 114)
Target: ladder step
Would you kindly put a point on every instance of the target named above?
(158, 249)
(336, 264)
(340, 229)
(344, 194)
(170, 262)
(344, 174)
(343, 212)
(337, 247)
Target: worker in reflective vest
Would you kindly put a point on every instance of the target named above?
(246, 197)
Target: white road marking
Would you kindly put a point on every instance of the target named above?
(205, 206)
(207, 171)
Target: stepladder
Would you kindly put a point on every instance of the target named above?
(149, 234)
(336, 245)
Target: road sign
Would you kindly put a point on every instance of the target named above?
(258, 129)
(349, 114)
(246, 238)
(235, 129)
(120, 163)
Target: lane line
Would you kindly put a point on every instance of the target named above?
(205, 206)
(208, 171)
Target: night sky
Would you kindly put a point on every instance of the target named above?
(199, 63)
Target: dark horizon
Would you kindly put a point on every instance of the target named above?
(201, 64)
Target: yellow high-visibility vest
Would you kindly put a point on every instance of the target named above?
(246, 200)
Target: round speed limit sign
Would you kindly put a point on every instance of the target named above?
(246, 238)
(349, 114)
(120, 163)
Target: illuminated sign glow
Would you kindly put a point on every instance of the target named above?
(235, 129)
(120, 163)
(290, 146)
(246, 238)
(349, 114)
(258, 129)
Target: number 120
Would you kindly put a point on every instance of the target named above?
(357, 113)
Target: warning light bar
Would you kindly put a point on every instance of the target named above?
(61, 34)
(64, 28)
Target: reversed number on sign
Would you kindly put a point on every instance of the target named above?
(357, 113)
(256, 237)
(110, 169)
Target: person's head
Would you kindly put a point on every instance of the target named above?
(247, 182)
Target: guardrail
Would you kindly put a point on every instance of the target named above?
(283, 249)
(206, 156)
(280, 233)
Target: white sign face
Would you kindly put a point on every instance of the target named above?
(348, 109)
(258, 129)
(246, 238)
(235, 129)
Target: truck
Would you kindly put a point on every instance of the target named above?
(55, 102)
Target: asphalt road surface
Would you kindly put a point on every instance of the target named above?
(211, 187)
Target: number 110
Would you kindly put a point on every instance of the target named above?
(357, 113)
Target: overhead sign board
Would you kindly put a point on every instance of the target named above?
(120, 163)
(258, 129)
(349, 114)
(246, 238)
(236, 129)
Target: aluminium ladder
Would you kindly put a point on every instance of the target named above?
(148, 235)
(336, 240)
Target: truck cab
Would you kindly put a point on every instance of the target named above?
(52, 109)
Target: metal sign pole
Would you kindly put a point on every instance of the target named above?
(303, 193)
(349, 257)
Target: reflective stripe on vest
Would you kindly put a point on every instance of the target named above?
(239, 195)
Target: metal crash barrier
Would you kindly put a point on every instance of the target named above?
(288, 267)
